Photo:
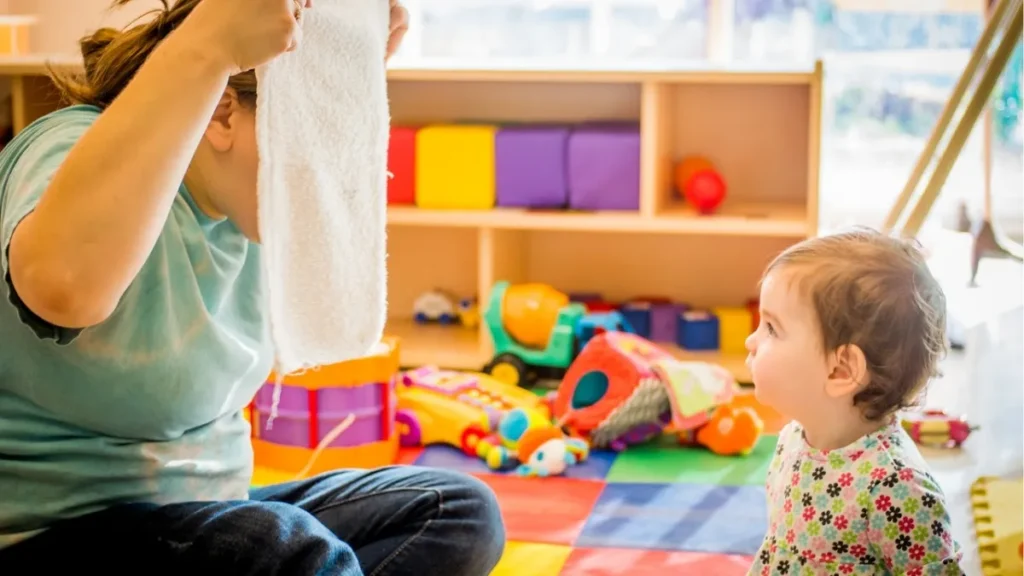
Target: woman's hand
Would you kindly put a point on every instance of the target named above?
(398, 27)
(246, 33)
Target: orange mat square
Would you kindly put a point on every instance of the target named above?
(533, 559)
(617, 561)
(544, 510)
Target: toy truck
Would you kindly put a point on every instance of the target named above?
(537, 332)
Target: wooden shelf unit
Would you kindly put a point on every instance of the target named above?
(761, 129)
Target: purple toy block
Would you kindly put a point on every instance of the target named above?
(604, 168)
(530, 166)
(664, 320)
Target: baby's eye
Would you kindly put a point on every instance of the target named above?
(771, 329)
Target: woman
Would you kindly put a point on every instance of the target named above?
(133, 334)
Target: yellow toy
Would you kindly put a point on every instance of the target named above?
(455, 167)
(996, 504)
(456, 408)
(338, 416)
(469, 313)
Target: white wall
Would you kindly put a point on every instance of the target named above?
(63, 22)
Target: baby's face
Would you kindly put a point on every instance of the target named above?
(785, 355)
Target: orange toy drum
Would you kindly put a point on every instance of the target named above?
(687, 167)
(530, 311)
(311, 404)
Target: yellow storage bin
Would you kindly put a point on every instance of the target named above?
(733, 328)
(455, 166)
(14, 34)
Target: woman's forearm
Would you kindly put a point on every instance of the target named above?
(72, 259)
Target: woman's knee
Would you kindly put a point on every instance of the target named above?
(472, 504)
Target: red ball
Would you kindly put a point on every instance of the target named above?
(705, 190)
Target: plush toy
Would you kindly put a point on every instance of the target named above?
(731, 431)
(530, 443)
(549, 452)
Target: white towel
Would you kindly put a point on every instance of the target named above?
(322, 132)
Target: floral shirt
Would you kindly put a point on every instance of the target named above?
(868, 508)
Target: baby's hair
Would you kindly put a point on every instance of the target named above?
(112, 57)
(875, 292)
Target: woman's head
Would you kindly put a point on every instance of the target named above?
(222, 176)
(854, 318)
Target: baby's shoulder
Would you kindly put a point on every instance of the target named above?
(895, 466)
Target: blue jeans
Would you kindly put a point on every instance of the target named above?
(384, 522)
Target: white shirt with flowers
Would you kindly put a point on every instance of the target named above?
(868, 508)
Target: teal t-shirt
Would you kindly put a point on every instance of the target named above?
(147, 406)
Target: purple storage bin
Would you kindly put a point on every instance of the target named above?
(530, 166)
(291, 427)
(664, 321)
(604, 167)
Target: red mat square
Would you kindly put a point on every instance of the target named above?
(617, 561)
(545, 510)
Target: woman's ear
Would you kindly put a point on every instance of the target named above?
(848, 371)
(220, 131)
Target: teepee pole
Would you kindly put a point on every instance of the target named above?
(978, 62)
(979, 100)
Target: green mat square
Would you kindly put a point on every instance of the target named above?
(664, 461)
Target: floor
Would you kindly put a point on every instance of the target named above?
(651, 509)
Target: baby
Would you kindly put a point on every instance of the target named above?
(852, 327)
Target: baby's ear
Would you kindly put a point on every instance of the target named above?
(848, 371)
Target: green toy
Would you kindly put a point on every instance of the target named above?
(520, 365)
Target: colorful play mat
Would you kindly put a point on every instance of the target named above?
(656, 508)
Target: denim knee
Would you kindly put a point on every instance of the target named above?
(471, 502)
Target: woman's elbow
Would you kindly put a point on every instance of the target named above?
(51, 291)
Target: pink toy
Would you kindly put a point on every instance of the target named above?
(936, 428)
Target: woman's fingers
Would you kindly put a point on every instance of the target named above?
(399, 26)
(399, 16)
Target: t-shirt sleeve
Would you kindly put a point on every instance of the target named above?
(909, 526)
(30, 174)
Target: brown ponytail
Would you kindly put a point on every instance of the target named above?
(112, 57)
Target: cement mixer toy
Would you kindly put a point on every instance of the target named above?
(537, 332)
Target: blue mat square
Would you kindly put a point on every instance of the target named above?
(680, 517)
(444, 456)
(596, 467)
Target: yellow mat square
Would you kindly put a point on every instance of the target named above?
(267, 476)
(533, 559)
